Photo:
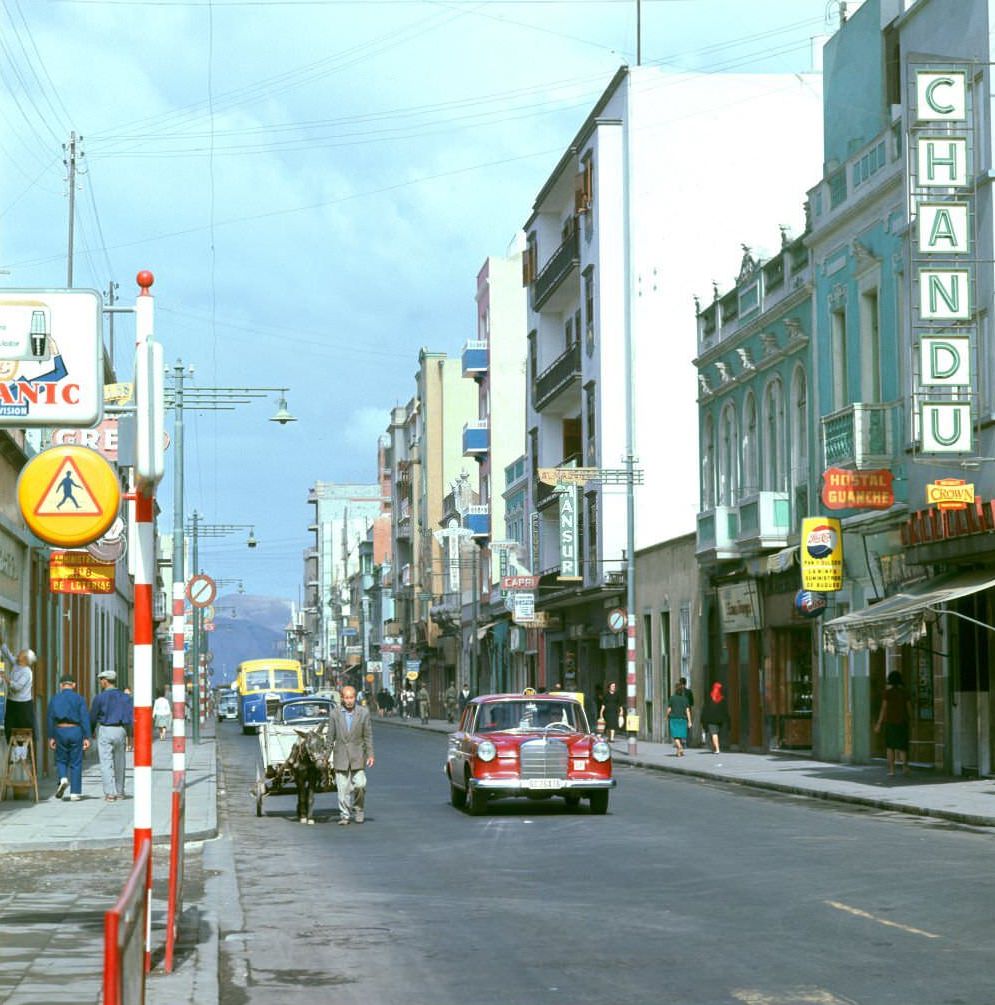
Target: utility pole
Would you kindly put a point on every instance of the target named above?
(111, 290)
(71, 149)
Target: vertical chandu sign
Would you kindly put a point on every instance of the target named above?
(941, 202)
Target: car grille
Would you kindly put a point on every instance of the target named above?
(544, 759)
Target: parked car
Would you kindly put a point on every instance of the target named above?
(531, 745)
(307, 710)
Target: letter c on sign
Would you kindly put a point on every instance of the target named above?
(931, 98)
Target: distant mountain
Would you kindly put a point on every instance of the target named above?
(246, 628)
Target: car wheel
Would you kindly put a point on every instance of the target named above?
(457, 796)
(572, 800)
(477, 802)
(599, 802)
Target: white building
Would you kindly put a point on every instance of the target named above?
(668, 173)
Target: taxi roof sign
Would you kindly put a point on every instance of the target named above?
(69, 496)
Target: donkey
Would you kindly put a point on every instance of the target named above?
(308, 762)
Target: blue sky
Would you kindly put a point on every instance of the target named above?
(315, 184)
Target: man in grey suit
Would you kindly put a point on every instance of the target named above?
(351, 736)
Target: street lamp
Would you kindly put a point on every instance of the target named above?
(198, 530)
(179, 397)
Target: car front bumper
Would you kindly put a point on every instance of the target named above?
(528, 786)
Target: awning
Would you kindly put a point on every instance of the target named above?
(482, 630)
(903, 618)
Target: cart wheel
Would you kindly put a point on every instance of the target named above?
(260, 789)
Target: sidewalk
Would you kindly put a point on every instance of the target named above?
(51, 921)
(922, 793)
(55, 825)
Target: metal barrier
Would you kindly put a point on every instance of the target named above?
(176, 860)
(124, 937)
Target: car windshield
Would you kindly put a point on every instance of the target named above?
(531, 715)
(304, 710)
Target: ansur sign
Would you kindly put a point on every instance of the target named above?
(844, 489)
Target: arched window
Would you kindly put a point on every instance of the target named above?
(728, 472)
(773, 438)
(799, 428)
(707, 464)
(751, 447)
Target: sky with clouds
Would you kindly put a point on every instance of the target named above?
(315, 184)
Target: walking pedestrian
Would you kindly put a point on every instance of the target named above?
(451, 701)
(689, 694)
(20, 680)
(113, 713)
(610, 710)
(69, 736)
(464, 697)
(895, 716)
(715, 716)
(422, 698)
(162, 713)
(350, 734)
(678, 716)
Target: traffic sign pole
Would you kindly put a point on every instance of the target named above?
(143, 501)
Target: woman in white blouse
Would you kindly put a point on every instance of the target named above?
(20, 713)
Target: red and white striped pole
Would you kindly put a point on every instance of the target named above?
(143, 630)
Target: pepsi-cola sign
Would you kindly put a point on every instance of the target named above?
(810, 604)
(822, 554)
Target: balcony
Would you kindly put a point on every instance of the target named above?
(478, 519)
(860, 436)
(718, 531)
(403, 523)
(558, 376)
(764, 521)
(476, 358)
(476, 438)
(563, 261)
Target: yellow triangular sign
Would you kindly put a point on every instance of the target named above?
(68, 494)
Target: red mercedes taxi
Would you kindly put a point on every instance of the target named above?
(532, 745)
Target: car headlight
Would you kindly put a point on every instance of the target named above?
(486, 751)
(600, 750)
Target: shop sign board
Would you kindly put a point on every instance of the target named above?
(739, 607)
(50, 358)
(950, 493)
(822, 554)
(569, 565)
(569, 476)
(541, 619)
(79, 572)
(519, 582)
(525, 606)
(845, 489)
(102, 438)
(941, 197)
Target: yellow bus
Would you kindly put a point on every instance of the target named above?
(262, 685)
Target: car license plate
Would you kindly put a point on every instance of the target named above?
(545, 783)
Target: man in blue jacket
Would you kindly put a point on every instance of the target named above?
(69, 736)
(113, 712)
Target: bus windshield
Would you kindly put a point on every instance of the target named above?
(256, 680)
(286, 680)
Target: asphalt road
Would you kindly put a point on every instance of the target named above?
(686, 892)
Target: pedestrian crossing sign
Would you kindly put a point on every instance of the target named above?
(69, 496)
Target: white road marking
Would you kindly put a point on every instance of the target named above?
(792, 996)
(856, 912)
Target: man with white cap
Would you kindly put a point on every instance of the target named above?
(113, 712)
